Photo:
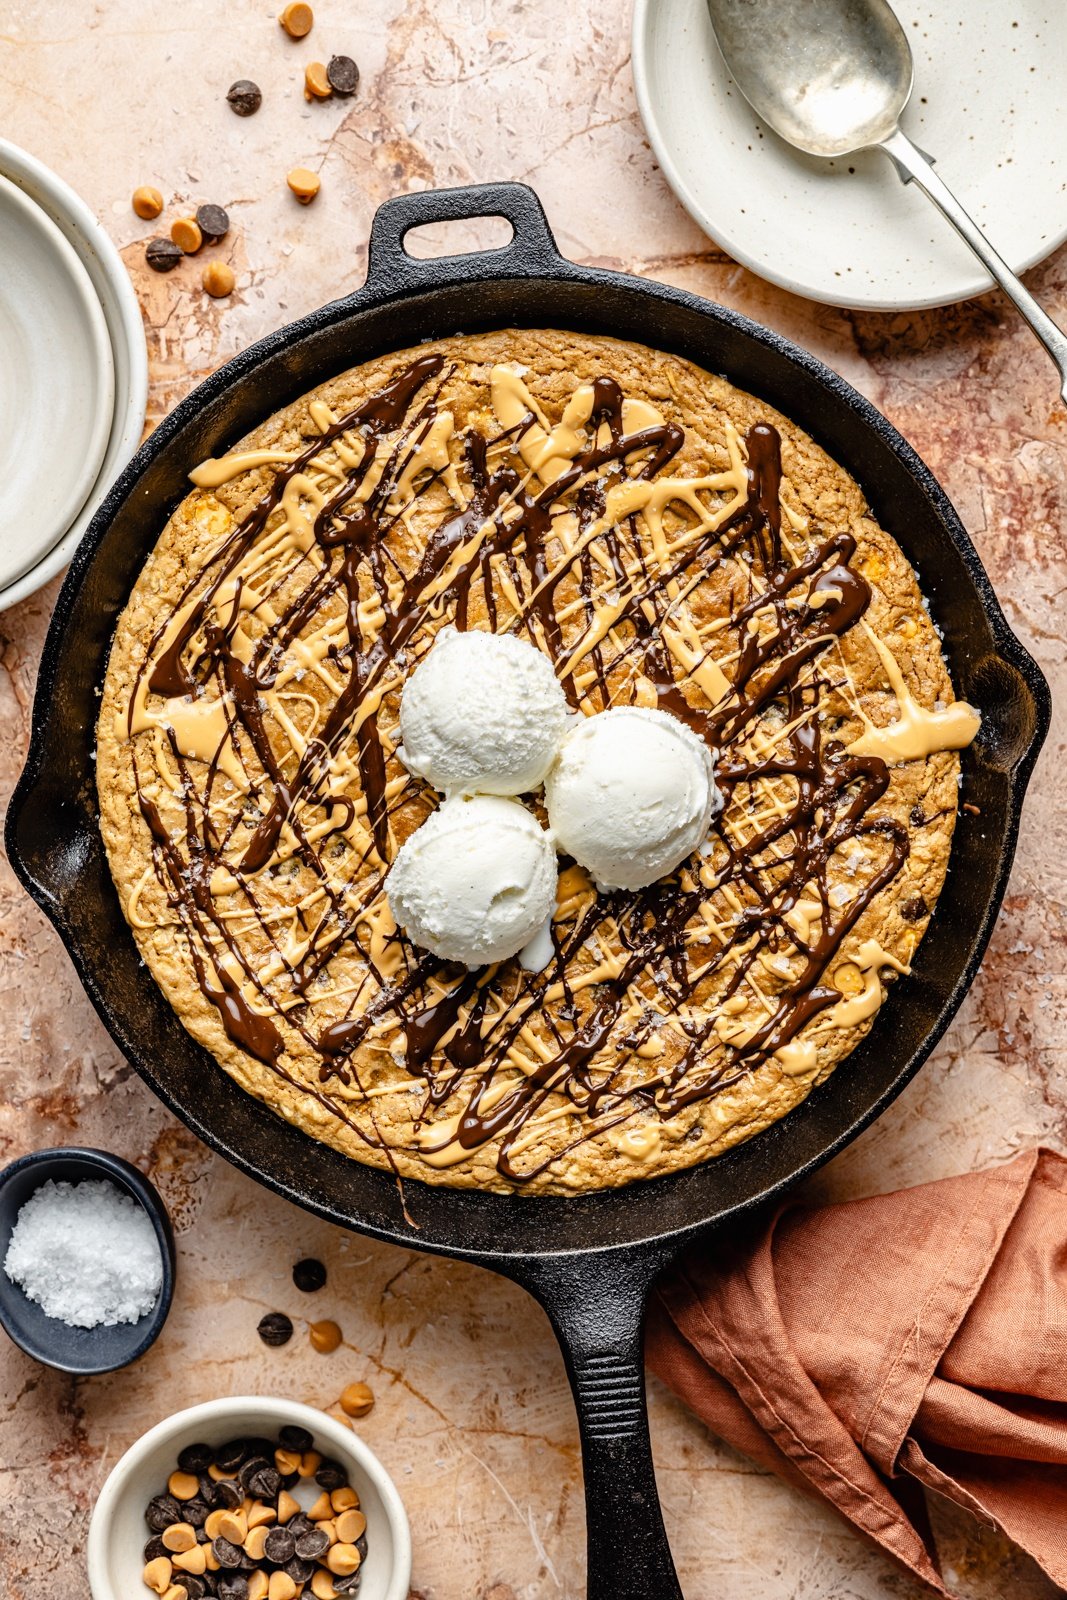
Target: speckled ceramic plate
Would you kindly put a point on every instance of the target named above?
(988, 104)
(57, 384)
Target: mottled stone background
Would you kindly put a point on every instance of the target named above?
(473, 1416)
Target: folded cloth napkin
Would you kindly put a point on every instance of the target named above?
(862, 1349)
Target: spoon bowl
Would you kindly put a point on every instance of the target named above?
(829, 76)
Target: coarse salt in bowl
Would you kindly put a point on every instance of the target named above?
(48, 1338)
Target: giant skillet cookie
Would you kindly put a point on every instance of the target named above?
(668, 541)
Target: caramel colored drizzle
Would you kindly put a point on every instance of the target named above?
(577, 536)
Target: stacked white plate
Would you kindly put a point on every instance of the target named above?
(73, 371)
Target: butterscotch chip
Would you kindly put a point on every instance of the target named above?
(217, 1474)
(286, 1461)
(344, 1499)
(233, 1525)
(343, 1559)
(218, 279)
(194, 1560)
(350, 1526)
(177, 1591)
(260, 1515)
(257, 1538)
(186, 235)
(304, 184)
(322, 1585)
(157, 1574)
(258, 1584)
(310, 1462)
(287, 1506)
(296, 19)
(316, 83)
(325, 1337)
(357, 1399)
(281, 1587)
(147, 202)
(182, 1485)
(179, 1536)
(322, 1509)
(211, 1523)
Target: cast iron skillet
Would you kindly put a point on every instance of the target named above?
(588, 1260)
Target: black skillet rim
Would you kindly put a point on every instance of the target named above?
(397, 281)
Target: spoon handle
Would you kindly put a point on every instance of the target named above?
(912, 164)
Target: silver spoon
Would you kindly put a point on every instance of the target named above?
(833, 77)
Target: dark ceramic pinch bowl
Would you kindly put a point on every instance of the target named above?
(81, 1351)
(589, 1259)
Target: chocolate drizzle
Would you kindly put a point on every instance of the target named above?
(684, 950)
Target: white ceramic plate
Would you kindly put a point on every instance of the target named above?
(57, 384)
(988, 104)
(122, 314)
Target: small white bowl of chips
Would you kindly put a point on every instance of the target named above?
(249, 1498)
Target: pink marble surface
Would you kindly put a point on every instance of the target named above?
(472, 1414)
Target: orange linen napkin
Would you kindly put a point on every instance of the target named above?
(862, 1349)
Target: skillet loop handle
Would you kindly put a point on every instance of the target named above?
(596, 1307)
(531, 251)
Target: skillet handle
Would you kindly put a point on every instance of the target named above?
(530, 251)
(596, 1304)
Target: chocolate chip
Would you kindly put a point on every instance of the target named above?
(228, 1456)
(195, 1588)
(279, 1546)
(917, 816)
(196, 1458)
(161, 1512)
(361, 1545)
(342, 74)
(915, 909)
(331, 1475)
(309, 1275)
(299, 1524)
(263, 1448)
(254, 1464)
(226, 1496)
(293, 1438)
(349, 1584)
(275, 1328)
(195, 1511)
(312, 1544)
(225, 1553)
(299, 1571)
(162, 255)
(264, 1485)
(212, 221)
(155, 1548)
(244, 97)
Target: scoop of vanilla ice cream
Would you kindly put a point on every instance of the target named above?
(631, 795)
(482, 714)
(475, 882)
